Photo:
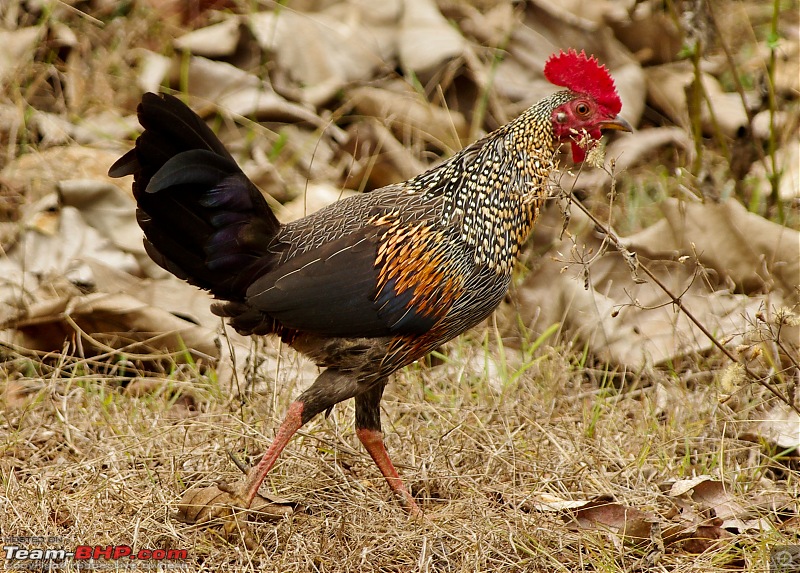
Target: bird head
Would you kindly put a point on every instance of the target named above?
(594, 105)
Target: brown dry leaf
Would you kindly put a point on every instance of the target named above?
(18, 48)
(546, 502)
(791, 526)
(53, 129)
(710, 494)
(324, 51)
(636, 147)
(548, 27)
(787, 66)
(684, 486)
(518, 77)
(233, 90)
(708, 512)
(40, 173)
(787, 158)
(100, 128)
(106, 322)
(704, 538)
(306, 155)
(215, 41)
(489, 25)
(406, 113)
(666, 89)
(604, 514)
(55, 241)
(691, 531)
(633, 149)
(240, 93)
(426, 39)
(168, 293)
(648, 31)
(751, 251)
(633, 324)
(107, 208)
(153, 70)
(780, 426)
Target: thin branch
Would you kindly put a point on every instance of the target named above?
(637, 265)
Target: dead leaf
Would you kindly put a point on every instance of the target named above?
(752, 251)
(215, 41)
(55, 241)
(108, 209)
(666, 89)
(634, 324)
(604, 514)
(406, 113)
(426, 39)
(634, 149)
(546, 502)
(710, 494)
(648, 31)
(704, 538)
(321, 53)
(685, 486)
(237, 92)
(787, 159)
(18, 46)
(216, 505)
(104, 322)
(780, 426)
(153, 70)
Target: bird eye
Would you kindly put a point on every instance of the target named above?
(582, 109)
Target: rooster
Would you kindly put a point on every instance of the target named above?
(375, 281)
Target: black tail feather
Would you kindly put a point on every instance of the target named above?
(203, 220)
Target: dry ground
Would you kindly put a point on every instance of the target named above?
(480, 442)
(527, 454)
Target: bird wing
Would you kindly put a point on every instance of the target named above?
(383, 279)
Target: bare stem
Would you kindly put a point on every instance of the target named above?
(676, 300)
(775, 174)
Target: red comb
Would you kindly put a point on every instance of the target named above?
(583, 74)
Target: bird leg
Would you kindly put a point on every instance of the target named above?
(368, 430)
(255, 476)
(330, 388)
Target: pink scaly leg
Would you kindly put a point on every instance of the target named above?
(368, 430)
(291, 423)
(373, 442)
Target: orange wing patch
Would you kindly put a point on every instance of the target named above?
(412, 263)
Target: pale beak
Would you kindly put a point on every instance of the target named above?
(617, 123)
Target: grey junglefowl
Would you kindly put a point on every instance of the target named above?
(375, 281)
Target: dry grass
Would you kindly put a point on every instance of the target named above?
(89, 457)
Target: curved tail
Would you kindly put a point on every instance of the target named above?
(203, 219)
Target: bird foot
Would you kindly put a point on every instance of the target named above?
(224, 504)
